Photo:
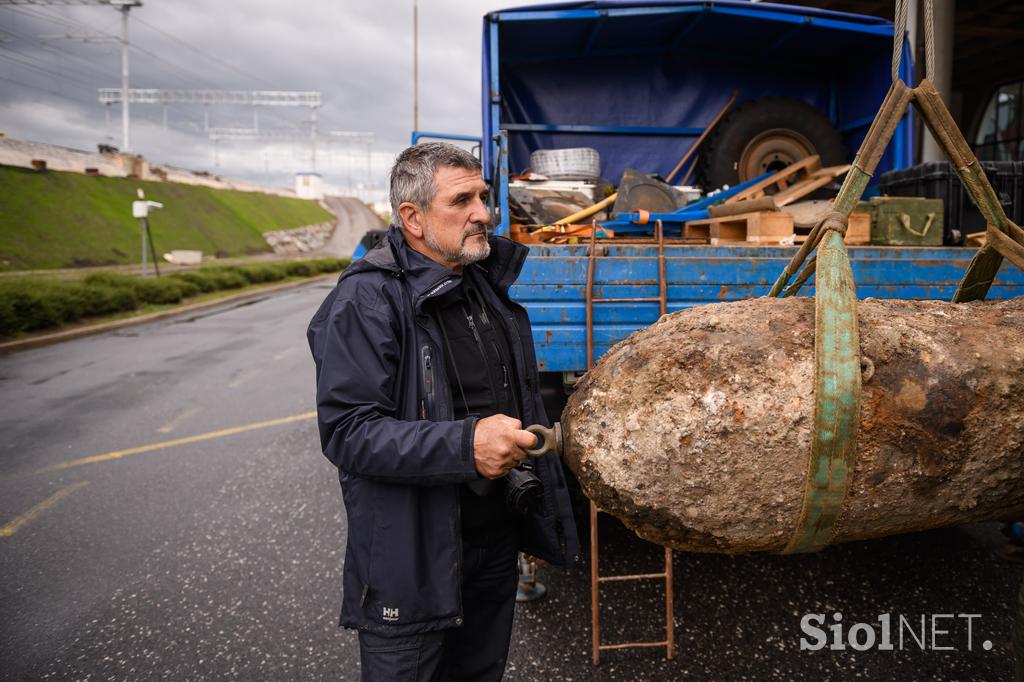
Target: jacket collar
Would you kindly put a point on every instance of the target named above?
(427, 278)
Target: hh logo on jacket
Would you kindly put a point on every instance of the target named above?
(390, 614)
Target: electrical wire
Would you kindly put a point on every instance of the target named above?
(181, 69)
(272, 111)
(204, 53)
(75, 23)
(33, 87)
(36, 13)
(36, 64)
(56, 70)
(9, 56)
(60, 54)
(51, 48)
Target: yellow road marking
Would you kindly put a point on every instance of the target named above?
(118, 454)
(13, 527)
(184, 414)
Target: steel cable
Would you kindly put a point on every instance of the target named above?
(899, 30)
(929, 39)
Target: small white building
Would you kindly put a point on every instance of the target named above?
(309, 186)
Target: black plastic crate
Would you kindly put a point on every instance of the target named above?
(938, 180)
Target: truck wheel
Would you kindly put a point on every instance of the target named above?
(764, 136)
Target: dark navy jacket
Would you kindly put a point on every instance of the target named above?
(384, 411)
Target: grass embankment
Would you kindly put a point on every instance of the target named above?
(29, 304)
(64, 220)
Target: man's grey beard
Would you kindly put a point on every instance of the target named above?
(465, 255)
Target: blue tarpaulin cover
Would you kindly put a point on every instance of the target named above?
(669, 67)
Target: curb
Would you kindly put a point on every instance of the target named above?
(90, 330)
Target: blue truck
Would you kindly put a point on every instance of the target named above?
(639, 81)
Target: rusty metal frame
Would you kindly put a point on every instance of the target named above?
(595, 577)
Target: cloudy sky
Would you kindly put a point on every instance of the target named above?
(357, 53)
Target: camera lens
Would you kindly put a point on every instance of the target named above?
(523, 491)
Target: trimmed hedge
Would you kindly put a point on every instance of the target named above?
(32, 303)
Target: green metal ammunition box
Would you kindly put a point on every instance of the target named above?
(904, 221)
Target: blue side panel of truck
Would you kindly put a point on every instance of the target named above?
(553, 280)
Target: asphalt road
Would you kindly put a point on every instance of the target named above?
(220, 556)
(354, 218)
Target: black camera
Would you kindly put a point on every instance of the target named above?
(523, 490)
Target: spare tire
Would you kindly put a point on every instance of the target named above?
(764, 136)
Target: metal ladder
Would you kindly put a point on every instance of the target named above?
(595, 578)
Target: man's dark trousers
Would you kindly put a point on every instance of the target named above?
(475, 651)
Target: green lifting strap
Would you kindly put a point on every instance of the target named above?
(837, 379)
(837, 397)
(836, 341)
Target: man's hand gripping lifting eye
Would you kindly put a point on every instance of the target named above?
(498, 445)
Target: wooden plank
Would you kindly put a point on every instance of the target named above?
(800, 190)
(811, 163)
(746, 206)
(759, 227)
(858, 228)
(698, 229)
(814, 181)
(832, 171)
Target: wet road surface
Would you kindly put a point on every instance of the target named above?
(165, 513)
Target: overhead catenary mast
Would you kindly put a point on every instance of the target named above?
(415, 66)
(125, 6)
(254, 98)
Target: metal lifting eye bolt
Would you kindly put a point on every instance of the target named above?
(548, 440)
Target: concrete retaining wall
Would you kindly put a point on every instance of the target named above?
(22, 153)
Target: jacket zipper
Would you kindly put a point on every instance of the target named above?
(497, 352)
(506, 382)
(427, 407)
(426, 363)
(483, 354)
(504, 367)
(527, 372)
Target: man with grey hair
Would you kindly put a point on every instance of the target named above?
(426, 376)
